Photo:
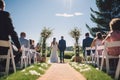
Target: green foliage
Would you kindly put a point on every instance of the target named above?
(68, 55)
(48, 53)
(45, 34)
(75, 33)
(90, 72)
(107, 9)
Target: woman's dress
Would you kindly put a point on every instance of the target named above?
(54, 54)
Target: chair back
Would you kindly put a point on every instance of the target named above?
(98, 54)
(112, 45)
(90, 49)
(107, 56)
(4, 43)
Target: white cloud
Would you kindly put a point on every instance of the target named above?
(69, 15)
(78, 13)
(64, 15)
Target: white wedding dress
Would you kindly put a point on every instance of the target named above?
(54, 54)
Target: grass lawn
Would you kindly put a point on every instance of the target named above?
(30, 73)
(89, 72)
(33, 72)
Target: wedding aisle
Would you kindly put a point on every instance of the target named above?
(61, 71)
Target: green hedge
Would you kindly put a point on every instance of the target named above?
(67, 55)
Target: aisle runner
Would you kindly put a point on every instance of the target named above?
(60, 71)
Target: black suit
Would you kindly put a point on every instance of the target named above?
(62, 47)
(6, 28)
(86, 43)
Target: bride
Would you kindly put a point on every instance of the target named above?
(54, 53)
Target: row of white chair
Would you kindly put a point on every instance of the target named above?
(26, 57)
(104, 56)
(107, 57)
(94, 54)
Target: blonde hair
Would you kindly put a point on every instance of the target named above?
(115, 24)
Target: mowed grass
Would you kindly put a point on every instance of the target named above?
(33, 72)
(89, 72)
(30, 73)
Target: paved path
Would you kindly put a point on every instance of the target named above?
(61, 71)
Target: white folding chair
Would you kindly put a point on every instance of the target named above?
(24, 57)
(9, 55)
(91, 53)
(117, 73)
(106, 56)
(98, 51)
(33, 55)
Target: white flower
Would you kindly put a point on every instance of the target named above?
(33, 72)
(97, 68)
(23, 70)
(44, 65)
(86, 69)
(41, 69)
(26, 73)
(31, 66)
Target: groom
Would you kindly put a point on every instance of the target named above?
(62, 47)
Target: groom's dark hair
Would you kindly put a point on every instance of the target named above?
(62, 37)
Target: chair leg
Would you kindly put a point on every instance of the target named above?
(21, 63)
(7, 64)
(93, 59)
(25, 62)
(86, 59)
(29, 58)
(107, 64)
(13, 63)
(117, 73)
(102, 62)
(97, 61)
(35, 58)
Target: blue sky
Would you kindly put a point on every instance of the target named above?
(62, 16)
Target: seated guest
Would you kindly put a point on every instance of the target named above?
(114, 35)
(32, 44)
(23, 41)
(97, 41)
(32, 47)
(38, 47)
(86, 43)
(6, 29)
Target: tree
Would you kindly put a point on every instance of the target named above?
(75, 33)
(107, 9)
(45, 34)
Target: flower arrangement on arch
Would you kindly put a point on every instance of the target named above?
(45, 34)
